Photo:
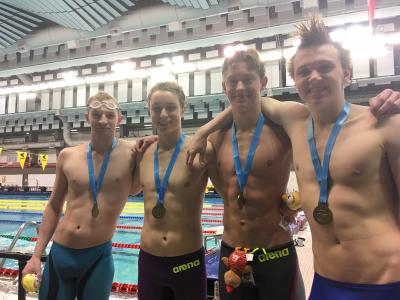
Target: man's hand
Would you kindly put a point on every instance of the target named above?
(386, 102)
(198, 144)
(143, 143)
(33, 266)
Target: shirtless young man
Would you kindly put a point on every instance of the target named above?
(80, 262)
(171, 258)
(352, 201)
(252, 207)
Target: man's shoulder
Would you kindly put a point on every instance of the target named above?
(222, 132)
(148, 154)
(286, 105)
(278, 131)
(72, 150)
(124, 144)
(389, 122)
(124, 148)
(388, 128)
(71, 153)
(364, 114)
(218, 136)
(359, 108)
(285, 113)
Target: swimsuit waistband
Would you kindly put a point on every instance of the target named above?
(108, 243)
(259, 249)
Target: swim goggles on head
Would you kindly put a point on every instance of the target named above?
(107, 104)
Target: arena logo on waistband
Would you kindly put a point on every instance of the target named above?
(186, 266)
(273, 255)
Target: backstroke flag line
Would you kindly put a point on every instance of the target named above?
(22, 158)
(43, 160)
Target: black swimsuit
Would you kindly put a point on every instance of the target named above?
(276, 275)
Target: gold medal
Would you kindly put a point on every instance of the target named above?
(322, 214)
(95, 210)
(158, 211)
(240, 200)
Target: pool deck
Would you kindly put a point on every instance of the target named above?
(304, 253)
(306, 260)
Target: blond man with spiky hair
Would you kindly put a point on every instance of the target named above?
(348, 169)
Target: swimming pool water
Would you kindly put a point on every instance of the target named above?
(125, 259)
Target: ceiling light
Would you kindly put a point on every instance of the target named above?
(177, 59)
(123, 66)
(69, 75)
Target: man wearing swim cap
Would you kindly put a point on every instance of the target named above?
(94, 180)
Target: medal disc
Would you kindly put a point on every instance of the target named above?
(158, 211)
(240, 200)
(322, 214)
(95, 210)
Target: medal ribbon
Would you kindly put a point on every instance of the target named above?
(162, 187)
(95, 185)
(322, 171)
(242, 175)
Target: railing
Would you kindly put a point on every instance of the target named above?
(214, 238)
(22, 259)
(13, 189)
(16, 165)
(15, 239)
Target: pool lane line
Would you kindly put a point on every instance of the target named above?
(127, 205)
(121, 217)
(127, 211)
(130, 227)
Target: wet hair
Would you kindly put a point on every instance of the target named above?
(168, 86)
(102, 96)
(250, 57)
(313, 33)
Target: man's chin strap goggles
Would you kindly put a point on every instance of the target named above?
(107, 104)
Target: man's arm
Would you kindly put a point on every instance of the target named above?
(282, 113)
(392, 148)
(275, 110)
(198, 142)
(139, 148)
(136, 187)
(144, 142)
(50, 217)
(212, 166)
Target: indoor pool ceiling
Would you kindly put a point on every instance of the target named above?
(20, 18)
(39, 35)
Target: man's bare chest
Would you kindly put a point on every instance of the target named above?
(268, 156)
(354, 155)
(118, 172)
